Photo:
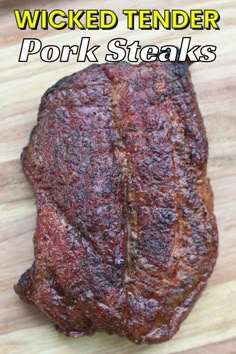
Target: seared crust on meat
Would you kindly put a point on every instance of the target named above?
(126, 237)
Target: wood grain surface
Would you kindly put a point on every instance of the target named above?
(211, 326)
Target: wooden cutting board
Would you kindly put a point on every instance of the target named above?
(211, 326)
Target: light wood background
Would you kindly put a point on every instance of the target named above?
(211, 326)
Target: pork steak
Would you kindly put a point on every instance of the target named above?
(126, 237)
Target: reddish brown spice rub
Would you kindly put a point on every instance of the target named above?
(126, 237)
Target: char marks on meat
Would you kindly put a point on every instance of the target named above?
(126, 237)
